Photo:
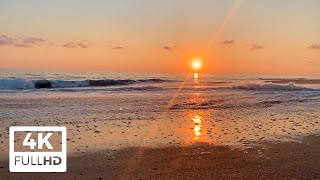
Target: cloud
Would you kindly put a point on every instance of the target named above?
(255, 47)
(5, 40)
(313, 61)
(33, 40)
(75, 45)
(314, 47)
(168, 48)
(29, 42)
(20, 42)
(228, 43)
(172, 48)
(118, 48)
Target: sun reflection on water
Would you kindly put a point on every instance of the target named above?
(195, 76)
(196, 83)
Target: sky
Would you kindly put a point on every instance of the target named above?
(231, 36)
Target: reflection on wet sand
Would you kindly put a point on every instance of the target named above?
(197, 127)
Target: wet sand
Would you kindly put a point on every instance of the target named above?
(285, 160)
(108, 121)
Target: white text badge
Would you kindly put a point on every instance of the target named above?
(38, 149)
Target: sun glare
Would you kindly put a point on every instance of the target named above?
(196, 64)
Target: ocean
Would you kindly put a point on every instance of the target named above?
(27, 81)
(112, 110)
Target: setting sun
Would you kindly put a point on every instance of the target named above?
(196, 64)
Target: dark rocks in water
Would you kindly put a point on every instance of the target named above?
(42, 84)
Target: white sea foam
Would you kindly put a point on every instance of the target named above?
(271, 87)
(16, 83)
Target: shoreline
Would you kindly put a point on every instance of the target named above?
(283, 160)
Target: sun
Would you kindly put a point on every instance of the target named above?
(196, 64)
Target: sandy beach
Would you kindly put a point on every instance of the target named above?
(289, 160)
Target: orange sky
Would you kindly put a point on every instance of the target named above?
(232, 37)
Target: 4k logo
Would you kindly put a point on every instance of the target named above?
(30, 142)
(38, 149)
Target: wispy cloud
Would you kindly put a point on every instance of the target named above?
(314, 47)
(233, 43)
(29, 42)
(118, 48)
(255, 47)
(75, 45)
(228, 43)
(5, 40)
(20, 42)
(171, 48)
(168, 48)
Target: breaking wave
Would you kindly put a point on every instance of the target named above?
(293, 80)
(21, 83)
(271, 87)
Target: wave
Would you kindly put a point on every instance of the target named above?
(272, 87)
(293, 80)
(111, 89)
(16, 83)
(21, 83)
